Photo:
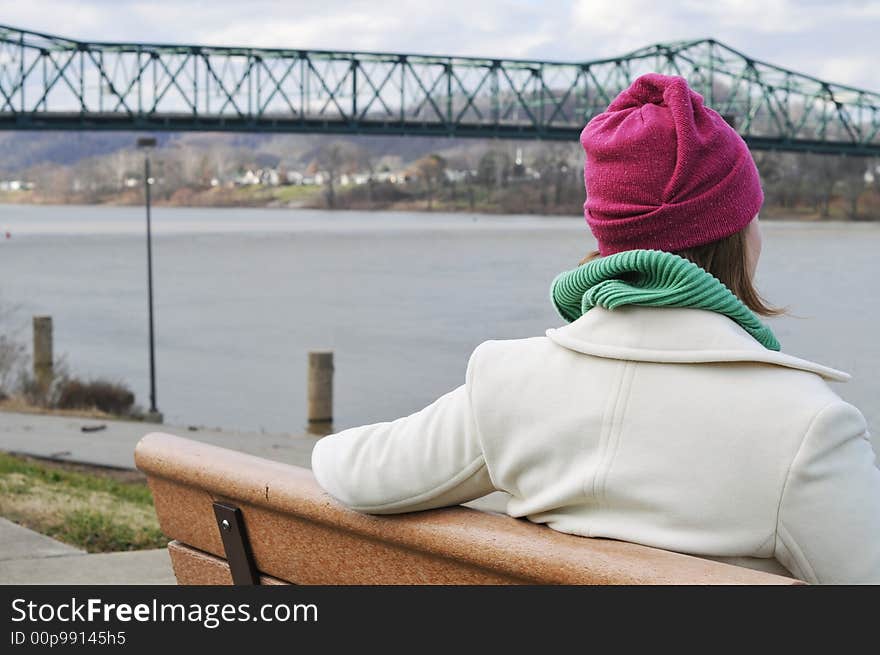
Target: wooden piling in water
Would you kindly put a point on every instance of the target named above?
(320, 387)
(43, 364)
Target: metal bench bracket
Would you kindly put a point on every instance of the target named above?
(235, 542)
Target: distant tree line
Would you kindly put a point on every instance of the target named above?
(548, 178)
(812, 183)
(493, 176)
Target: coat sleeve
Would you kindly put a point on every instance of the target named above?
(429, 459)
(828, 528)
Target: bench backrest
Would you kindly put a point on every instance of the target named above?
(298, 534)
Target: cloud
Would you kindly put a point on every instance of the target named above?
(622, 26)
(828, 40)
(838, 68)
(831, 40)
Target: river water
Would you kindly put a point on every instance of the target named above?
(401, 298)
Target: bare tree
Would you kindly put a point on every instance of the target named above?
(819, 179)
(13, 353)
(553, 163)
(852, 182)
(119, 165)
(782, 175)
(335, 158)
(194, 166)
(431, 171)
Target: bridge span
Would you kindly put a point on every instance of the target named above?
(50, 82)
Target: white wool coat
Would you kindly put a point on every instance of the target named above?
(667, 427)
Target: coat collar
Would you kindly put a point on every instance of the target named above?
(673, 335)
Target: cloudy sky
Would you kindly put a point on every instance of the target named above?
(831, 40)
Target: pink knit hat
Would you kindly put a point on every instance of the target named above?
(664, 172)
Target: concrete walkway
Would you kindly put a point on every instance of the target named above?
(62, 438)
(30, 558)
(27, 557)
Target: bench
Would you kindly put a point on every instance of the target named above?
(236, 518)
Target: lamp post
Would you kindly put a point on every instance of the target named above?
(154, 415)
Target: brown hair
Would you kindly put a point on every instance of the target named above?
(727, 260)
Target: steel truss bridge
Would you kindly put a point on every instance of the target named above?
(53, 83)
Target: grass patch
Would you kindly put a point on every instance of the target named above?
(98, 532)
(99, 511)
(260, 194)
(296, 192)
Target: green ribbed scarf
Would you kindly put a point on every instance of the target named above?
(654, 279)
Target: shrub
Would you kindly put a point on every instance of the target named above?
(13, 357)
(42, 395)
(32, 391)
(110, 397)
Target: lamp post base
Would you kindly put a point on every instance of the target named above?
(153, 417)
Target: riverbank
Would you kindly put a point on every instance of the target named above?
(513, 199)
(381, 197)
(16, 404)
(240, 196)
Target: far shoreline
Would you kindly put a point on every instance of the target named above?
(313, 199)
(777, 219)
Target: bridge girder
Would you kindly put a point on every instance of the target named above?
(54, 83)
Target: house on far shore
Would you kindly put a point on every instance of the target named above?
(269, 176)
(454, 175)
(259, 176)
(248, 178)
(15, 185)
